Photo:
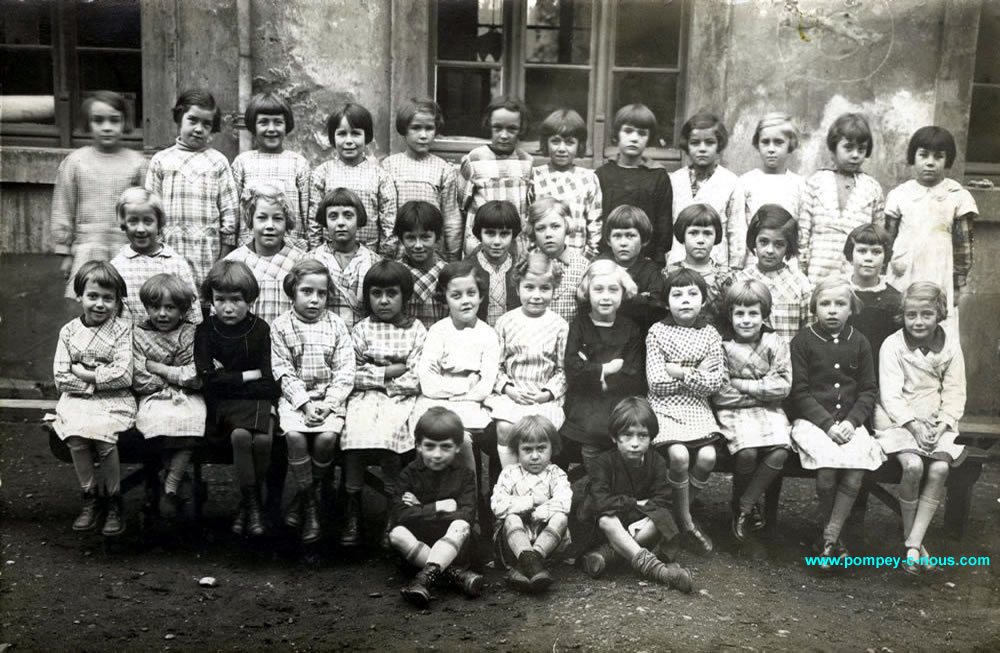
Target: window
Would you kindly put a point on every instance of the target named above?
(593, 56)
(983, 155)
(54, 54)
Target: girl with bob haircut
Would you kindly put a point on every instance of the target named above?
(350, 130)
(698, 229)
(549, 221)
(869, 249)
(268, 117)
(775, 139)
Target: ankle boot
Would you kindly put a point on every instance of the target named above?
(531, 566)
(255, 521)
(418, 592)
(672, 575)
(293, 519)
(87, 520)
(114, 523)
(351, 535)
(596, 560)
(465, 580)
(311, 530)
(240, 520)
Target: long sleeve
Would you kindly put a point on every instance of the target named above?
(144, 382)
(342, 383)
(660, 382)
(504, 502)
(452, 214)
(407, 515)
(64, 207)
(777, 382)
(204, 361)
(891, 377)
(595, 220)
(466, 498)
(116, 374)
(65, 380)
(560, 491)
(806, 406)
(228, 204)
(659, 490)
(502, 378)
(490, 370)
(582, 374)
(387, 202)
(864, 404)
(557, 383)
(293, 388)
(737, 213)
(302, 179)
(962, 247)
(433, 383)
(183, 373)
(710, 375)
(810, 206)
(664, 221)
(953, 391)
(409, 382)
(606, 502)
(154, 177)
(317, 189)
(367, 375)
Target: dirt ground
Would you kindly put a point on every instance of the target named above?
(61, 590)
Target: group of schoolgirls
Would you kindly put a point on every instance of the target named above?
(594, 314)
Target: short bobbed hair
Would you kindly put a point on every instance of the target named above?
(159, 287)
(439, 424)
(341, 197)
(418, 215)
(534, 429)
(935, 139)
(704, 120)
(566, 123)
(496, 214)
(633, 411)
(606, 267)
(828, 284)
(386, 274)
(853, 128)
(510, 103)
(747, 292)
(459, 270)
(537, 263)
(774, 216)
(137, 196)
(637, 115)
(413, 106)
(231, 276)
(627, 216)
(268, 104)
(113, 100)
(268, 193)
(697, 215)
(303, 268)
(357, 116)
(541, 208)
(868, 234)
(926, 291)
(104, 275)
(682, 278)
(783, 122)
(197, 97)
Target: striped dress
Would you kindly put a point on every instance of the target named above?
(377, 192)
(532, 359)
(287, 170)
(579, 188)
(434, 180)
(270, 272)
(484, 176)
(168, 406)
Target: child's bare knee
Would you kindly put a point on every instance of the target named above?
(398, 536)
(706, 457)
(512, 522)
(679, 456)
(459, 529)
(937, 471)
(609, 523)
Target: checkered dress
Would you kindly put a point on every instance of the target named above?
(423, 304)
(564, 303)
(375, 188)
(347, 298)
(790, 294)
(753, 190)
(682, 405)
(88, 185)
(136, 268)
(200, 200)
(313, 361)
(579, 189)
(483, 176)
(430, 179)
(288, 171)
(714, 191)
(167, 405)
(270, 273)
(379, 412)
(824, 227)
(752, 416)
(103, 409)
(532, 359)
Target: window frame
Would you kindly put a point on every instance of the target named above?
(979, 168)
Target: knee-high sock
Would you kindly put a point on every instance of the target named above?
(413, 550)
(681, 504)
(83, 462)
(741, 479)
(446, 549)
(320, 469)
(354, 470)
(696, 485)
(926, 508)
(176, 466)
(908, 511)
(551, 536)
(825, 494)
(261, 445)
(842, 503)
(301, 470)
(107, 454)
(762, 478)
(517, 536)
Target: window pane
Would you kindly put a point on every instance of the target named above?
(108, 23)
(548, 90)
(26, 22)
(463, 94)
(648, 33)
(28, 75)
(987, 59)
(658, 91)
(470, 30)
(559, 31)
(119, 72)
(984, 125)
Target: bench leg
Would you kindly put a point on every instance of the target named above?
(771, 500)
(959, 501)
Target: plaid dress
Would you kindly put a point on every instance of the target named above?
(347, 299)
(532, 359)
(313, 361)
(714, 191)
(790, 294)
(379, 412)
(434, 180)
(753, 190)
(682, 405)
(84, 223)
(270, 272)
(484, 176)
(377, 192)
(573, 265)
(753, 417)
(424, 305)
(200, 200)
(137, 268)
(290, 172)
(579, 188)
(824, 227)
(103, 409)
(168, 406)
